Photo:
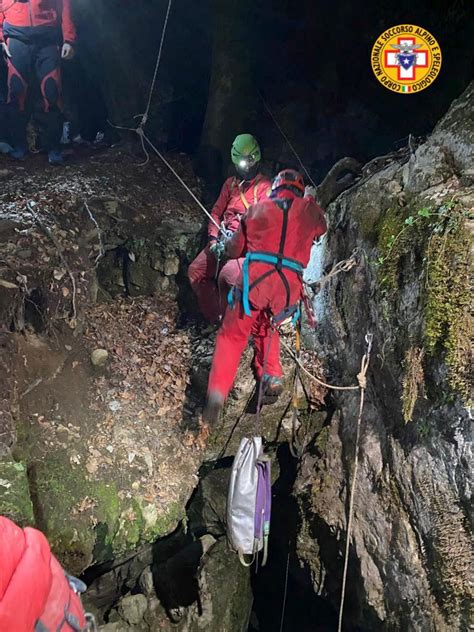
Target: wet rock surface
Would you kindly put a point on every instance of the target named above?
(411, 550)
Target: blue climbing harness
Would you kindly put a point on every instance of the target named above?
(278, 261)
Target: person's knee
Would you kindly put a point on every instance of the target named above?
(51, 92)
(197, 270)
(194, 272)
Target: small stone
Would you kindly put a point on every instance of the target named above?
(171, 266)
(165, 283)
(150, 515)
(146, 582)
(115, 405)
(25, 254)
(132, 608)
(99, 357)
(59, 273)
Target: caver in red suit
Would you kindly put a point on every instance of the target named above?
(35, 35)
(235, 198)
(281, 229)
(35, 593)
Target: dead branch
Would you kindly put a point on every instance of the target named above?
(99, 235)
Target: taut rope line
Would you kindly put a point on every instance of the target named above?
(363, 385)
(287, 140)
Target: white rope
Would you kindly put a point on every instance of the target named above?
(285, 593)
(287, 140)
(362, 381)
(144, 119)
(157, 65)
(176, 174)
(313, 377)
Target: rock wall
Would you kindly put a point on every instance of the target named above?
(411, 554)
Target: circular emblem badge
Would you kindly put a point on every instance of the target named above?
(406, 59)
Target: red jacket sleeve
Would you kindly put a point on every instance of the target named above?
(67, 25)
(2, 20)
(236, 246)
(219, 208)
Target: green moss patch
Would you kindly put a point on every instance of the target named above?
(87, 520)
(15, 501)
(441, 241)
(448, 320)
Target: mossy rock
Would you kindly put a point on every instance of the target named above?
(15, 501)
(86, 521)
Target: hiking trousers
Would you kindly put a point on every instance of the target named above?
(231, 341)
(41, 58)
(212, 296)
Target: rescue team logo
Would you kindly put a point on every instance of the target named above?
(406, 59)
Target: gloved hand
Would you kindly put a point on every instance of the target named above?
(6, 50)
(310, 191)
(67, 52)
(217, 248)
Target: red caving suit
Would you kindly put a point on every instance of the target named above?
(34, 590)
(34, 31)
(261, 230)
(235, 198)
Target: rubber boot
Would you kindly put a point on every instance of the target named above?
(272, 388)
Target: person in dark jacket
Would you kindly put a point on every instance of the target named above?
(35, 35)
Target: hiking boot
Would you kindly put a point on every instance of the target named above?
(212, 409)
(55, 157)
(272, 388)
(18, 153)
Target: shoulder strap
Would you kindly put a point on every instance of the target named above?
(245, 202)
(285, 206)
(244, 199)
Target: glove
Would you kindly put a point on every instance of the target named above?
(310, 191)
(6, 50)
(217, 248)
(67, 52)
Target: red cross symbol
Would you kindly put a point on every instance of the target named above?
(407, 74)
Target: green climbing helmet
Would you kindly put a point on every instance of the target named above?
(245, 151)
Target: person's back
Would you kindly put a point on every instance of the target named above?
(284, 226)
(264, 223)
(275, 236)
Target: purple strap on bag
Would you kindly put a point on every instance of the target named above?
(263, 501)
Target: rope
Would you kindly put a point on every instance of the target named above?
(287, 140)
(285, 593)
(157, 65)
(342, 266)
(258, 425)
(290, 351)
(144, 119)
(363, 385)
